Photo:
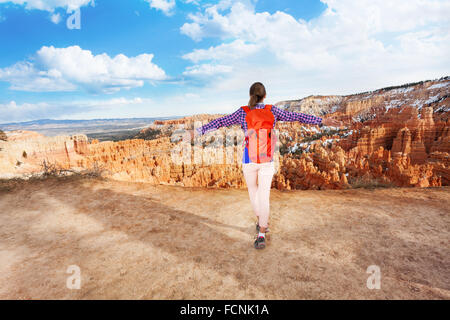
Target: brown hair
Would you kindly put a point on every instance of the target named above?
(257, 94)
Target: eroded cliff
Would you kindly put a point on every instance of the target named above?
(395, 136)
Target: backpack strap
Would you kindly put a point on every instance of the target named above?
(246, 109)
(268, 106)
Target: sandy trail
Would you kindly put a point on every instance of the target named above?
(137, 241)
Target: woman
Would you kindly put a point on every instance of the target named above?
(257, 120)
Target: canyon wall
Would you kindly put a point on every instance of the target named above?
(392, 137)
(27, 152)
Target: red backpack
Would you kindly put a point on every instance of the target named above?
(260, 140)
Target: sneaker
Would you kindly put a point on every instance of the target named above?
(260, 243)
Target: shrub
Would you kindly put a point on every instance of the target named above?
(53, 170)
(368, 182)
(148, 134)
(3, 136)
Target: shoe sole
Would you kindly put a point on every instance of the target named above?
(260, 245)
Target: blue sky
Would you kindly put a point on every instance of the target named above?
(146, 58)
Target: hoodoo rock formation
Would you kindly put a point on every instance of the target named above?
(395, 136)
(26, 152)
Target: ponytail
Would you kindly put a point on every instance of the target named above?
(257, 94)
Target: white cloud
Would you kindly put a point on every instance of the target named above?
(12, 112)
(369, 16)
(194, 2)
(376, 16)
(226, 51)
(55, 18)
(115, 102)
(207, 70)
(67, 69)
(165, 6)
(51, 5)
(352, 46)
(25, 76)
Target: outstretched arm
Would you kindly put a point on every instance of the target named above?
(283, 115)
(234, 118)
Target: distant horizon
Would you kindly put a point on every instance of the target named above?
(446, 77)
(81, 120)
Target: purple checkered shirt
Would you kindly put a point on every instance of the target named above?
(238, 117)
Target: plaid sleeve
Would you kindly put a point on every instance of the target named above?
(234, 118)
(283, 115)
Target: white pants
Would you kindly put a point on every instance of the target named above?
(258, 177)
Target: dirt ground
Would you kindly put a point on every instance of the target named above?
(137, 241)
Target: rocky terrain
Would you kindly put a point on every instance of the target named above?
(139, 241)
(367, 105)
(396, 136)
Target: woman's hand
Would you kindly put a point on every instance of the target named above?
(330, 122)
